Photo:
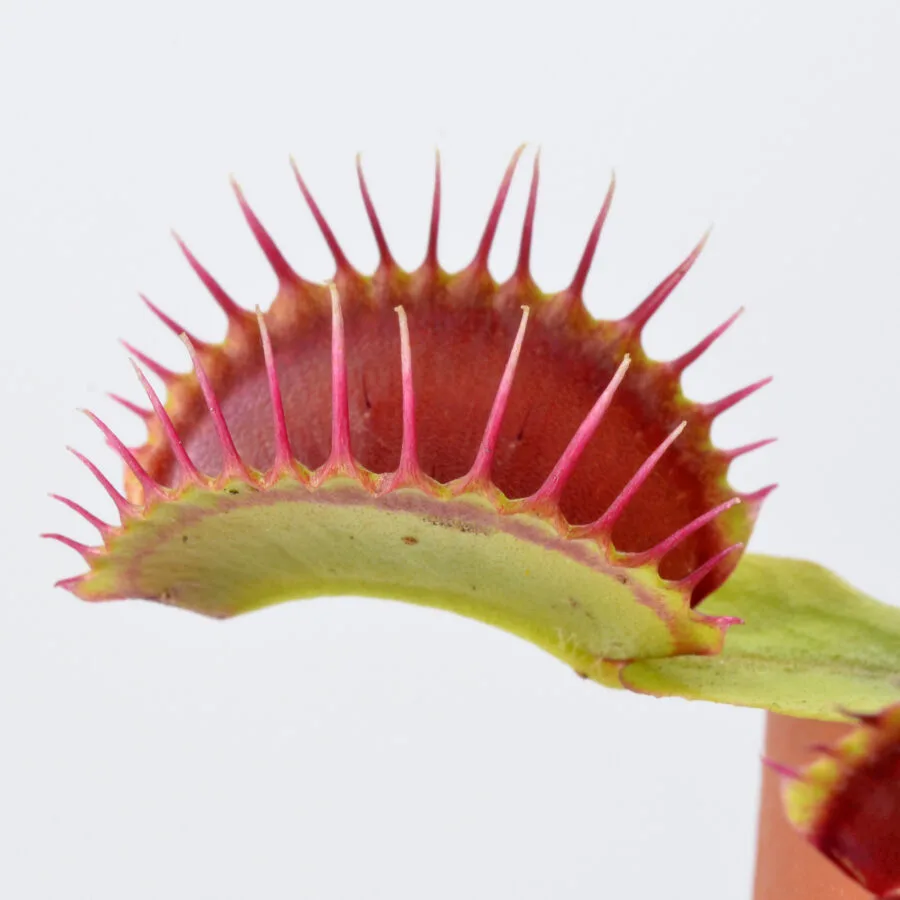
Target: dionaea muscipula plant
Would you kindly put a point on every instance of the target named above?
(847, 802)
(486, 448)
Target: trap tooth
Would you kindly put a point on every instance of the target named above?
(480, 473)
(408, 468)
(145, 414)
(167, 376)
(655, 554)
(690, 582)
(482, 254)
(523, 264)
(602, 528)
(635, 322)
(431, 253)
(189, 473)
(152, 490)
(344, 268)
(679, 364)
(737, 452)
(341, 457)
(575, 290)
(87, 553)
(171, 324)
(126, 509)
(715, 409)
(550, 492)
(283, 454)
(70, 584)
(233, 465)
(280, 266)
(408, 472)
(385, 260)
(787, 772)
(103, 527)
(754, 501)
(236, 315)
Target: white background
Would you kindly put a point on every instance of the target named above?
(352, 748)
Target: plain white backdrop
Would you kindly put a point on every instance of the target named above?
(353, 748)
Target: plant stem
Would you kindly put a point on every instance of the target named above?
(787, 867)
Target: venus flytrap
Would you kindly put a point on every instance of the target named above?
(486, 448)
(847, 802)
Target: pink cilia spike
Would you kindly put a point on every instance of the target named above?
(340, 258)
(431, 254)
(145, 414)
(688, 583)
(232, 464)
(189, 471)
(723, 623)
(782, 770)
(635, 321)
(484, 247)
(711, 411)
(576, 288)
(757, 497)
(408, 470)
(167, 376)
(101, 526)
(551, 490)
(692, 355)
(283, 453)
(231, 309)
(70, 584)
(281, 267)
(753, 502)
(386, 261)
(87, 552)
(523, 266)
(341, 456)
(150, 486)
(655, 554)
(733, 454)
(480, 473)
(126, 510)
(604, 525)
(170, 323)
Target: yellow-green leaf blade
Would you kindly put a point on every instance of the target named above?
(811, 644)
